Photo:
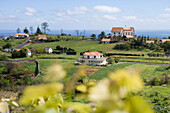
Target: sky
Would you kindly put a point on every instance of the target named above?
(85, 14)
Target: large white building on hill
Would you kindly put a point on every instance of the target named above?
(129, 32)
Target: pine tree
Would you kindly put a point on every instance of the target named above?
(38, 30)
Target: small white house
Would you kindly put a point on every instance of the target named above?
(21, 35)
(5, 38)
(48, 49)
(8, 49)
(93, 58)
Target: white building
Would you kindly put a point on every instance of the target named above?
(48, 49)
(93, 58)
(129, 32)
(21, 35)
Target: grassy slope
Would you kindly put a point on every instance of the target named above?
(14, 42)
(103, 73)
(81, 46)
(146, 71)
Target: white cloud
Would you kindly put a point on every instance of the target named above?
(167, 10)
(165, 15)
(29, 14)
(130, 17)
(78, 10)
(106, 9)
(30, 11)
(18, 11)
(7, 18)
(109, 17)
(60, 14)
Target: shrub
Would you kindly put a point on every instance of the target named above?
(122, 47)
(110, 60)
(116, 60)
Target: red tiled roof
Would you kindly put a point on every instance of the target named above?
(128, 28)
(106, 40)
(149, 41)
(116, 29)
(20, 49)
(93, 53)
(164, 40)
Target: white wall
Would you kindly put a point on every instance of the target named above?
(92, 56)
(29, 53)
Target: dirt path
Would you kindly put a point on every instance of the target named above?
(90, 71)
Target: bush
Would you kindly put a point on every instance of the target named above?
(116, 60)
(110, 60)
(122, 47)
(71, 53)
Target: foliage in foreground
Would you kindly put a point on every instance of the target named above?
(111, 95)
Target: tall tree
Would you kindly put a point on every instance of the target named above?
(18, 30)
(31, 29)
(77, 32)
(38, 30)
(44, 26)
(26, 30)
(102, 35)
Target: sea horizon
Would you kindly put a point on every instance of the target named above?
(145, 33)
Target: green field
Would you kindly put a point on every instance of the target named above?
(146, 71)
(81, 46)
(14, 42)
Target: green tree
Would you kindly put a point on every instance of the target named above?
(102, 35)
(166, 46)
(44, 26)
(93, 35)
(7, 45)
(26, 31)
(31, 29)
(38, 30)
(18, 30)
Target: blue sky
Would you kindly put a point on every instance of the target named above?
(85, 14)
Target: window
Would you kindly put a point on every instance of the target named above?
(94, 56)
(88, 57)
(101, 56)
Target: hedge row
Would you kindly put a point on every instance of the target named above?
(123, 54)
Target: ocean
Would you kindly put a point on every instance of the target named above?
(150, 33)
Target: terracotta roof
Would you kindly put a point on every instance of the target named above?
(93, 53)
(164, 40)
(128, 28)
(21, 34)
(117, 29)
(20, 49)
(149, 41)
(106, 40)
